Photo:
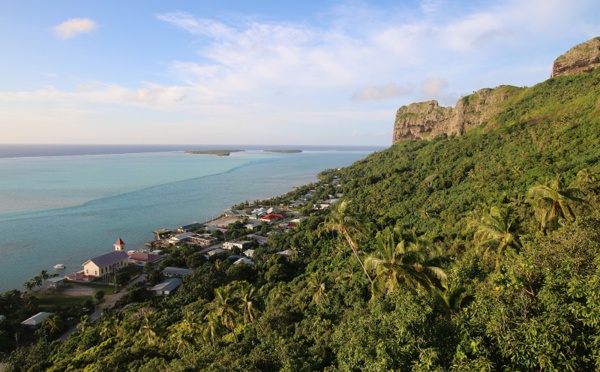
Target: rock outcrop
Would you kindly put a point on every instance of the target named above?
(425, 120)
(582, 58)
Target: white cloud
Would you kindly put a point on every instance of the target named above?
(433, 88)
(380, 92)
(74, 27)
(264, 77)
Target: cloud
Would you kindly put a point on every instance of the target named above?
(433, 88)
(74, 27)
(380, 92)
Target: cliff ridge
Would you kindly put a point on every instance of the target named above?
(426, 120)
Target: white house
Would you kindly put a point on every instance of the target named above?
(56, 282)
(176, 272)
(35, 321)
(105, 264)
(231, 245)
(244, 260)
(166, 287)
(181, 238)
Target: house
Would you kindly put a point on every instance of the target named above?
(175, 272)
(181, 238)
(56, 282)
(215, 251)
(262, 240)
(248, 253)
(244, 260)
(167, 287)
(236, 213)
(253, 224)
(271, 217)
(203, 240)
(191, 227)
(35, 321)
(143, 258)
(105, 264)
(240, 244)
(285, 253)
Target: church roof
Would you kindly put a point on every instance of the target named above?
(108, 259)
(120, 241)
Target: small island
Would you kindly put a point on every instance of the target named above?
(212, 152)
(284, 151)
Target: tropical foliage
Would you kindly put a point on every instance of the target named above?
(453, 254)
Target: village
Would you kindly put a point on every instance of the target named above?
(161, 265)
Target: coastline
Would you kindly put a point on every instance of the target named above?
(74, 234)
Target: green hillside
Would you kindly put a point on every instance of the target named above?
(478, 252)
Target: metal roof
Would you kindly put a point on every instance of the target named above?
(108, 259)
(167, 285)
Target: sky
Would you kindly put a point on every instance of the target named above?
(262, 72)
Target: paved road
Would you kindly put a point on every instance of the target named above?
(108, 303)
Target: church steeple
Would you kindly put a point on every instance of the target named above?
(119, 245)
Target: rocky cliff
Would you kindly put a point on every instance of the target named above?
(582, 58)
(425, 120)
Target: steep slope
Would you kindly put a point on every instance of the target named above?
(425, 120)
(532, 305)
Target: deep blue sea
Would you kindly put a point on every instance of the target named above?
(65, 204)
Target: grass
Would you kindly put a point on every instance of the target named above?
(108, 289)
(59, 299)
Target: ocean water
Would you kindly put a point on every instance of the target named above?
(68, 204)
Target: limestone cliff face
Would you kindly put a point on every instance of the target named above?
(582, 58)
(425, 120)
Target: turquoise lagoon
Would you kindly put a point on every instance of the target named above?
(66, 209)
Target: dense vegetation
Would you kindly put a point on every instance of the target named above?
(479, 252)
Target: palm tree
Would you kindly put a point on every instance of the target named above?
(83, 323)
(53, 324)
(211, 329)
(224, 305)
(452, 300)
(553, 203)
(29, 285)
(44, 276)
(317, 286)
(396, 263)
(497, 228)
(38, 280)
(248, 302)
(343, 222)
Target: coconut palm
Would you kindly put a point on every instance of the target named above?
(83, 323)
(553, 203)
(38, 280)
(211, 329)
(29, 285)
(452, 300)
(53, 324)
(497, 228)
(341, 220)
(44, 275)
(225, 306)
(317, 287)
(402, 263)
(248, 302)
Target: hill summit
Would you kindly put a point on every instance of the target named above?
(426, 120)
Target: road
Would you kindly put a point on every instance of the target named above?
(108, 303)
